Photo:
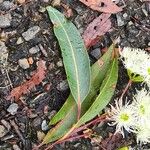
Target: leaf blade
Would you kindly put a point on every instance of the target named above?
(98, 71)
(69, 115)
(100, 102)
(74, 54)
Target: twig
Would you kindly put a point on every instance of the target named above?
(12, 122)
(67, 139)
(10, 83)
(126, 88)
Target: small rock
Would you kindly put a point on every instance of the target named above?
(46, 1)
(42, 9)
(16, 147)
(120, 20)
(30, 60)
(19, 41)
(34, 50)
(3, 49)
(7, 137)
(96, 53)
(5, 20)
(130, 23)
(12, 109)
(59, 63)
(44, 125)
(3, 131)
(21, 1)
(6, 5)
(37, 123)
(56, 2)
(40, 135)
(6, 124)
(43, 50)
(23, 63)
(30, 33)
(63, 85)
(125, 15)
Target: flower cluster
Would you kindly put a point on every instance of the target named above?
(134, 117)
(137, 61)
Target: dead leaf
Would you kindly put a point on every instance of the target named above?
(98, 27)
(26, 87)
(106, 6)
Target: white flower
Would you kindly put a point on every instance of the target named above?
(122, 116)
(143, 134)
(137, 61)
(141, 106)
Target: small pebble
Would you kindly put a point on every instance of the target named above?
(120, 20)
(6, 124)
(34, 50)
(30, 60)
(42, 9)
(96, 53)
(12, 109)
(16, 147)
(40, 135)
(3, 131)
(30, 33)
(63, 85)
(59, 63)
(3, 48)
(21, 1)
(5, 20)
(44, 126)
(43, 50)
(56, 2)
(125, 15)
(130, 23)
(23, 63)
(19, 41)
(37, 123)
(6, 5)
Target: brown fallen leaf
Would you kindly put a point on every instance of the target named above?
(26, 87)
(106, 6)
(98, 27)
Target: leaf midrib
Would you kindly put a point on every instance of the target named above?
(111, 70)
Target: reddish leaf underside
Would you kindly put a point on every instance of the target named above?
(106, 6)
(98, 27)
(26, 87)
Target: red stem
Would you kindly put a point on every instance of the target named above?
(126, 88)
(67, 139)
(99, 119)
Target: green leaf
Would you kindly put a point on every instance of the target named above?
(69, 110)
(75, 57)
(106, 92)
(98, 71)
(124, 148)
(134, 77)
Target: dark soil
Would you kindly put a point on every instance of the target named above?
(131, 26)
